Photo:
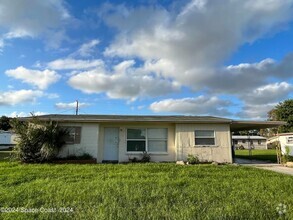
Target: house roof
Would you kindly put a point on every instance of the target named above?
(246, 137)
(235, 125)
(135, 118)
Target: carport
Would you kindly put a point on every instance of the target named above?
(238, 125)
(242, 125)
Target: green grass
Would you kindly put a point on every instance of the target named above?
(268, 155)
(143, 191)
(5, 155)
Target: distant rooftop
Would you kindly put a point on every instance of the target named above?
(246, 137)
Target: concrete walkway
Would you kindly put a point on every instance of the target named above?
(265, 165)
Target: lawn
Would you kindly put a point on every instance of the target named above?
(269, 155)
(142, 191)
(5, 155)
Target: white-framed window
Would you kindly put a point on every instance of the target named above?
(147, 139)
(204, 137)
(289, 140)
(74, 135)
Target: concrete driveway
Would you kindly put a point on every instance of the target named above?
(265, 166)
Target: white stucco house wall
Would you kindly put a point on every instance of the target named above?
(166, 138)
(253, 142)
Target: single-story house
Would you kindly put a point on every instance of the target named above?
(166, 138)
(249, 142)
(285, 140)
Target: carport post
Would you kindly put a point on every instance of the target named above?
(249, 146)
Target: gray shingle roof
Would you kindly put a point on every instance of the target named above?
(235, 125)
(134, 118)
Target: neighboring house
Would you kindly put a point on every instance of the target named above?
(246, 142)
(285, 140)
(165, 138)
(7, 139)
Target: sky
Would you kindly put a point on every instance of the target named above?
(228, 58)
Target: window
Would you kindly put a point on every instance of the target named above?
(289, 140)
(235, 141)
(204, 137)
(147, 139)
(243, 141)
(136, 140)
(259, 141)
(157, 139)
(74, 135)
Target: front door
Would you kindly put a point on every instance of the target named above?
(111, 142)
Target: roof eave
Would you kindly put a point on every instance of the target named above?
(240, 125)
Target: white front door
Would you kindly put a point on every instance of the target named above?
(111, 143)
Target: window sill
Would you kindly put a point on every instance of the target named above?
(151, 153)
(206, 146)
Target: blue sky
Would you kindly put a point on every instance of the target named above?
(224, 58)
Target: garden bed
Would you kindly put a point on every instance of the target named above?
(65, 161)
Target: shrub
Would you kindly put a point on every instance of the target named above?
(84, 156)
(241, 147)
(145, 157)
(133, 160)
(192, 159)
(286, 157)
(38, 141)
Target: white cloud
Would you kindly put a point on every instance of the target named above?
(41, 79)
(124, 82)
(71, 105)
(16, 114)
(245, 77)
(268, 93)
(190, 46)
(31, 18)
(200, 105)
(257, 111)
(19, 97)
(74, 64)
(261, 100)
(87, 49)
(1, 45)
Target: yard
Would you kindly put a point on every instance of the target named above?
(268, 155)
(5, 155)
(141, 191)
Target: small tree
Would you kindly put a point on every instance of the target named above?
(38, 141)
(5, 123)
(283, 112)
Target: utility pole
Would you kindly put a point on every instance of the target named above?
(76, 109)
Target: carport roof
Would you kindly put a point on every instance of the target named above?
(238, 125)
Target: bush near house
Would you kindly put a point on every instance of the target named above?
(143, 191)
(192, 159)
(38, 141)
